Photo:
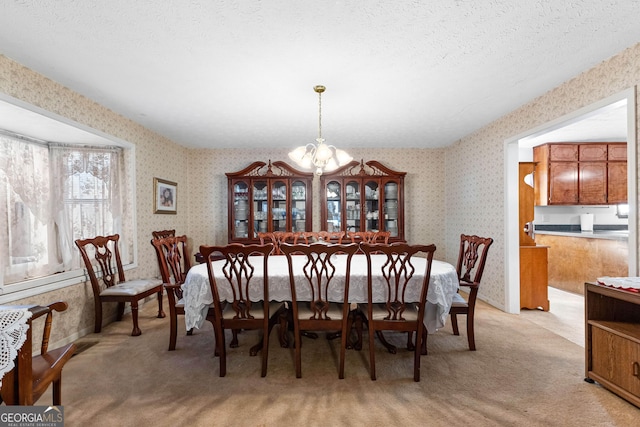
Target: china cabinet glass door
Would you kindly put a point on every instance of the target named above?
(334, 206)
(240, 210)
(260, 208)
(372, 206)
(391, 208)
(353, 206)
(298, 206)
(279, 206)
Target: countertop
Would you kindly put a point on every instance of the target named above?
(596, 234)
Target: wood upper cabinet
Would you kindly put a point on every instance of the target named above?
(592, 174)
(617, 182)
(563, 183)
(580, 173)
(363, 197)
(617, 173)
(592, 185)
(267, 197)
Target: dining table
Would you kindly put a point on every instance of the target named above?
(443, 285)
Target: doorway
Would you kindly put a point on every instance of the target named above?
(569, 122)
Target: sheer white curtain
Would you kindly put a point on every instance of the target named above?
(86, 196)
(52, 194)
(24, 210)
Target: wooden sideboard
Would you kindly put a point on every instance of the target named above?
(612, 340)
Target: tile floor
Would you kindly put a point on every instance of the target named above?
(565, 316)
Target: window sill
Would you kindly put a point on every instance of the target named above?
(29, 288)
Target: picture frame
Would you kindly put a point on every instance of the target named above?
(165, 196)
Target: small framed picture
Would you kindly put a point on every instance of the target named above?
(165, 196)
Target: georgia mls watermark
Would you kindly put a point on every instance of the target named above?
(31, 416)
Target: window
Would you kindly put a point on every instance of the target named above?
(51, 195)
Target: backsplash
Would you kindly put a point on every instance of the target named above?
(604, 217)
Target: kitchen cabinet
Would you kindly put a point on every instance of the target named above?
(592, 184)
(617, 173)
(592, 174)
(612, 346)
(580, 173)
(363, 197)
(267, 197)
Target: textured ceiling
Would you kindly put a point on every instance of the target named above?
(241, 73)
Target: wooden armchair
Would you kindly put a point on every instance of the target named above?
(471, 261)
(108, 281)
(32, 375)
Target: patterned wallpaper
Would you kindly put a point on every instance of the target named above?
(474, 181)
(448, 191)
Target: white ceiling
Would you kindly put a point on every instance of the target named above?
(241, 73)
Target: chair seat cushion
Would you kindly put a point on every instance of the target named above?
(458, 301)
(180, 303)
(334, 312)
(256, 310)
(131, 287)
(380, 312)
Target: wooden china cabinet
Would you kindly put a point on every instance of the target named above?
(267, 197)
(363, 197)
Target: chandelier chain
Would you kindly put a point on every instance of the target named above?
(320, 115)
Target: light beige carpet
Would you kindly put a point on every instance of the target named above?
(521, 375)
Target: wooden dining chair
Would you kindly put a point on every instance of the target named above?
(174, 264)
(471, 261)
(242, 275)
(331, 236)
(370, 237)
(31, 375)
(108, 281)
(326, 280)
(278, 237)
(398, 313)
(306, 237)
(163, 233)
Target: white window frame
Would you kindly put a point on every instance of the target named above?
(32, 287)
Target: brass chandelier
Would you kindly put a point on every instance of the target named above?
(321, 157)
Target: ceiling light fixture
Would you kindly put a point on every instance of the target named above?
(322, 157)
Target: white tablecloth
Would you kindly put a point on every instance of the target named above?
(442, 286)
(13, 333)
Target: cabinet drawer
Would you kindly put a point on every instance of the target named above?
(616, 359)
